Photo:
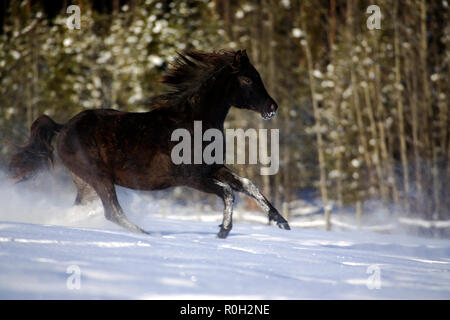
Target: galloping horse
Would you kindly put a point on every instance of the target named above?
(103, 147)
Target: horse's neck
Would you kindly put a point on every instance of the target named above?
(214, 115)
(212, 108)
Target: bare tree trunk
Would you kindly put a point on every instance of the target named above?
(426, 105)
(361, 126)
(332, 22)
(32, 85)
(115, 7)
(268, 60)
(383, 147)
(287, 181)
(271, 80)
(436, 183)
(335, 108)
(320, 144)
(400, 112)
(443, 123)
(358, 213)
(355, 94)
(376, 159)
(415, 133)
(227, 18)
(255, 41)
(338, 145)
(35, 81)
(386, 159)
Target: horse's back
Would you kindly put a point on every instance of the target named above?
(81, 129)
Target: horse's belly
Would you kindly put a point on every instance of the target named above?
(153, 184)
(153, 175)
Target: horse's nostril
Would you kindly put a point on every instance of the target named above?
(272, 107)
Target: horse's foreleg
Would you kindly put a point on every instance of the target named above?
(228, 200)
(225, 192)
(248, 187)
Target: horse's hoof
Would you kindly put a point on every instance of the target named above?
(223, 233)
(138, 230)
(284, 226)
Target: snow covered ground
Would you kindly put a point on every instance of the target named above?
(48, 249)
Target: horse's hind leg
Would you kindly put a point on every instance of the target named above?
(85, 193)
(79, 153)
(113, 212)
(104, 188)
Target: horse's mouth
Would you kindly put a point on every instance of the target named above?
(268, 115)
(271, 111)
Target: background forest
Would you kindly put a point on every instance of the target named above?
(363, 114)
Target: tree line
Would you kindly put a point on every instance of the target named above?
(363, 113)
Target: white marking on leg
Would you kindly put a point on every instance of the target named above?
(228, 200)
(253, 191)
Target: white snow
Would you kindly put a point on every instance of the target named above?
(43, 237)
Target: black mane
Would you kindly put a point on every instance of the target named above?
(190, 71)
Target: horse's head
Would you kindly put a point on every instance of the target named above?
(248, 91)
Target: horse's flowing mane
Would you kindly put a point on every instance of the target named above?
(191, 70)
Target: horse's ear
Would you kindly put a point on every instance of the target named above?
(240, 58)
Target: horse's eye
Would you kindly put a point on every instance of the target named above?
(246, 80)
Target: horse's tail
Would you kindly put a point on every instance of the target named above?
(37, 153)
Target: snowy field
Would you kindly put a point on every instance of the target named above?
(51, 250)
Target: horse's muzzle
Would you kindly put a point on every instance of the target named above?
(271, 112)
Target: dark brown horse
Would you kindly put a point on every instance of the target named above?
(103, 148)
